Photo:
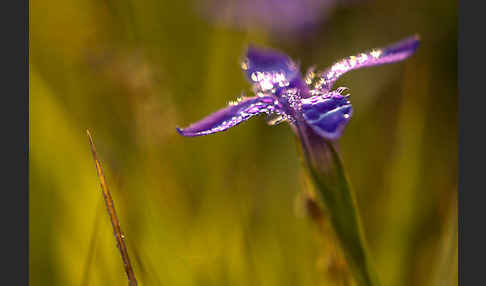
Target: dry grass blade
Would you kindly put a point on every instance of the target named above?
(132, 281)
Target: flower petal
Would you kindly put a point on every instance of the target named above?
(269, 69)
(327, 116)
(230, 116)
(392, 53)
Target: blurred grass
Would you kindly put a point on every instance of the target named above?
(220, 210)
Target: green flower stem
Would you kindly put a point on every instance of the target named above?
(327, 173)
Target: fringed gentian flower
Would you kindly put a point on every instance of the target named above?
(310, 101)
(318, 114)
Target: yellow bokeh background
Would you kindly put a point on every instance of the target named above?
(227, 209)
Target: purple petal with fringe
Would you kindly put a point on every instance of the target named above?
(327, 116)
(230, 116)
(268, 69)
(389, 54)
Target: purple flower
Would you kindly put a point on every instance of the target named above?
(318, 114)
(304, 102)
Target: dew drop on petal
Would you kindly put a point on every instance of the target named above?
(254, 77)
(245, 64)
(274, 120)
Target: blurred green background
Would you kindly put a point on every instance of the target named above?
(227, 209)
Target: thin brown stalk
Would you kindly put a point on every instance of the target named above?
(132, 281)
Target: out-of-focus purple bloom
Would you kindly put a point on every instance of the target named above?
(276, 15)
(307, 103)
